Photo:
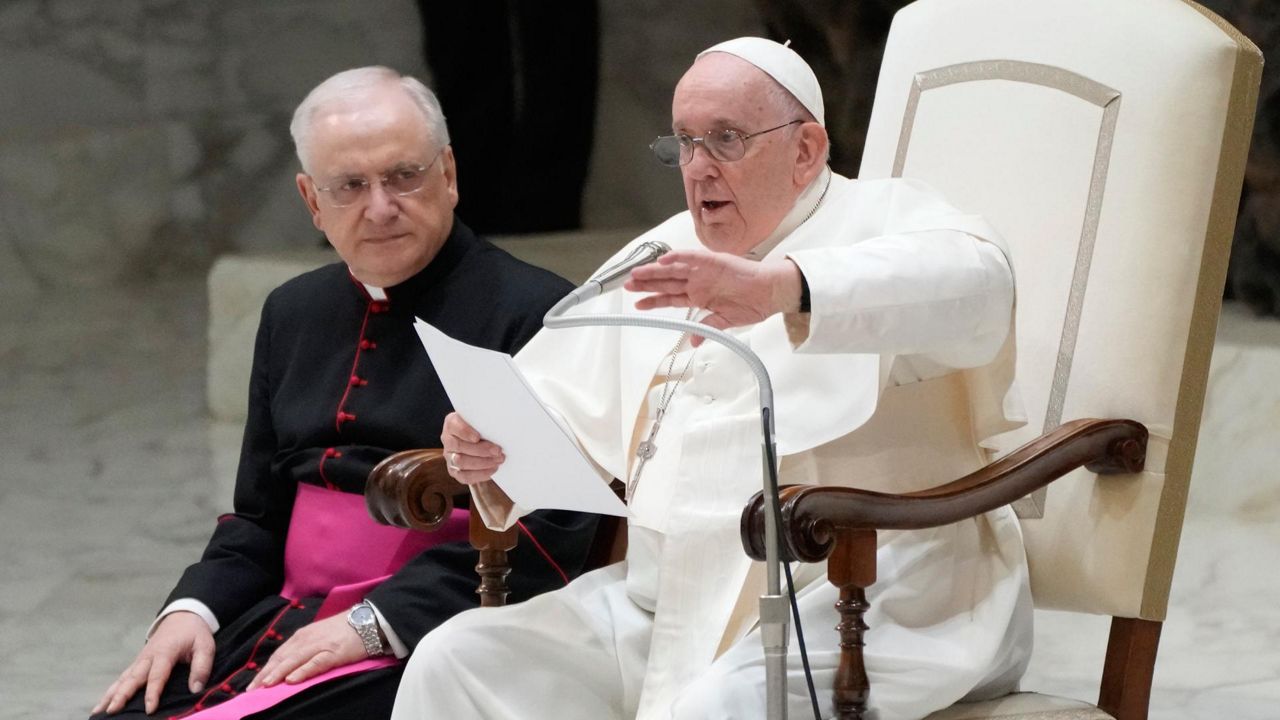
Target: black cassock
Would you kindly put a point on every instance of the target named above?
(339, 382)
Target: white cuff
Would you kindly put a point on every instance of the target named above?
(397, 645)
(190, 605)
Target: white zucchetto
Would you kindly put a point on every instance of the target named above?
(780, 63)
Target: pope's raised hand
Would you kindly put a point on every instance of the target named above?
(735, 291)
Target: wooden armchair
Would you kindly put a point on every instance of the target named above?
(1106, 141)
(412, 489)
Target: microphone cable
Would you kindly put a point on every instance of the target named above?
(786, 566)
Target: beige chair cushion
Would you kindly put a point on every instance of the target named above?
(1105, 141)
(1023, 706)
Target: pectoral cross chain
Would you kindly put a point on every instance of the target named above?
(645, 452)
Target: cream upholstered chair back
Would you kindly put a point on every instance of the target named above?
(1106, 141)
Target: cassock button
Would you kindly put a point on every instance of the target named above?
(225, 687)
(366, 344)
(330, 452)
(251, 665)
(344, 417)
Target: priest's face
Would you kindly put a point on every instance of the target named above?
(736, 204)
(384, 234)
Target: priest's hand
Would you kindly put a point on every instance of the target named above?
(316, 648)
(180, 637)
(470, 459)
(736, 291)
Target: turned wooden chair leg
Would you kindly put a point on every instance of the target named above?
(1127, 671)
(852, 569)
(494, 565)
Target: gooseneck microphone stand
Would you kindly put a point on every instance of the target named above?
(774, 607)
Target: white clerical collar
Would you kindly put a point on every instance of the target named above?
(806, 204)
(375, 293)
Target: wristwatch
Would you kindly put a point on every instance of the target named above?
(362, 619)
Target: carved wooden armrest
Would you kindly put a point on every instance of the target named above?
(413, 489)
(811, 513)
(839, 524)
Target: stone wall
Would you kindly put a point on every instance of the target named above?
(141, 138)
(646, 45)
(145, 137)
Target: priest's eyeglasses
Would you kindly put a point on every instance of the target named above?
(403, 180)
(723, 145)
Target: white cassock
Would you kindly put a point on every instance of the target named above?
(905, 366)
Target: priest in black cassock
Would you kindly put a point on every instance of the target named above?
(301, 606)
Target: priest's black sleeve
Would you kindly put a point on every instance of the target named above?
(244, 560)
(441, 581)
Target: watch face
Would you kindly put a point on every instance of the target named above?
(362, 615)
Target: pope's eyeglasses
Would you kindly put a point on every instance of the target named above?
(723, 145)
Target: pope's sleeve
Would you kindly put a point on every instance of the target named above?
(244, 560)
(929, 287)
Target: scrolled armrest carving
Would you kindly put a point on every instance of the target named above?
(811, 543)
(812, 515)
(412, 489)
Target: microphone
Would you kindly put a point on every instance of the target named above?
(616, 274)
(774, 619)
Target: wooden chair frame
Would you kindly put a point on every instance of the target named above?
(413, 489)
(839, 525)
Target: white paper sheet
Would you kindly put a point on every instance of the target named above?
(544, 468)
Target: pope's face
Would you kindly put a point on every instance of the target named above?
(735, 205)
(384, 238)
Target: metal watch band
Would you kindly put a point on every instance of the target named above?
(368, 632)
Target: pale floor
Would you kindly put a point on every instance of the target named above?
(105, 495)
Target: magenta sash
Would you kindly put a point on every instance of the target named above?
(336, 550)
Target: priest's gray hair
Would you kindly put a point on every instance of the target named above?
(350, 84)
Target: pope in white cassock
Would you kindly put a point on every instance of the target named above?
(884, 317)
